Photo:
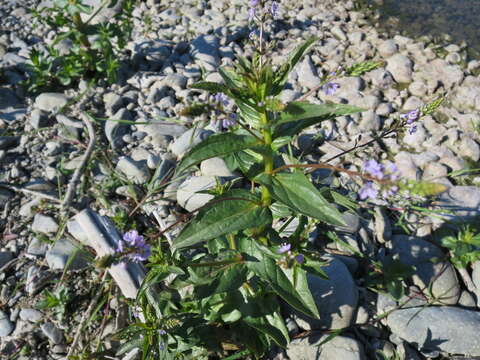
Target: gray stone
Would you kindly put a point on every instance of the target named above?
(434, 170)
(311, 348)
(449, 75)
(438, 328)
(115, 130)
(417, 88)
(31, 315)
(431, 271)
(38, 119)
(400, 67)
(44, 224)
(381, 78)
(8, 98)
(176, 81)
(135, 171)
(336, 298)
(204, 49)
(476, 277)
(469, 148)
(113, 102)
(188, 140)
(62, 119)
(50, 101)
(307, 74)
(5, 257)
(388, 48)
(467, 300)
(6, 326)
(370, 121)
(5, 196)
(158, 130)
(54, 334)
(65, 252)
(463, 201)
(406, 166)
(188, 195)
(467, 97)
(215, 167)
(7, 142)
(289, 95)
(37, 247)
(412, 103)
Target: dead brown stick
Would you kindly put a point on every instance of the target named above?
(80, 169)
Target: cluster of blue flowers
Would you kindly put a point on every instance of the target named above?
(255, 7)
(222, 101)
(388, 172)
(133, 247)
(285, 248)
(410, 119)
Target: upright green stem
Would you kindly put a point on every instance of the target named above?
(77, 21)
(267, 158)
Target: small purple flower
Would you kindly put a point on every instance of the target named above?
(330, 88)
(300, 258)
(221, 98)
(230, 121)
(253, 35)
(412, 129)
(368, 191)
(285, 247)
(162, 332)
(142, 253)
(390, 192)
(374, 168)
(132, 237)
(412, 116)
(274, 9)
(253, 3)
(251, 14)
(134, 247)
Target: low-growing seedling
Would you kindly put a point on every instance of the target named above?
(91, 49)
(464, 248)
(57, 301)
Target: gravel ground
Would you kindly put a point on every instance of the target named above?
(43, 139)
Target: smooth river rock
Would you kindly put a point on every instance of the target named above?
(438, 328)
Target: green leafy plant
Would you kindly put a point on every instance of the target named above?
(464, 248)
(57, 301)
(93, 48)
(388, 275)
(217, 286)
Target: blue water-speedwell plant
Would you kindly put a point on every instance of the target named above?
(218, 287)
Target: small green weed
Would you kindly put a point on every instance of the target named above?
(464, 248)
(93, 49)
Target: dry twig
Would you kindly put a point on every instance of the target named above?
(80, 169)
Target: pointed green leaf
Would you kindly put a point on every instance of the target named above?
(282, 73)
(227, 280)
(216, 145)
(298, 193)
(249, 113)
(290, 284)
(263, 314)
(231, 78)
(299, 115)
(210, 86)
(235, 210)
